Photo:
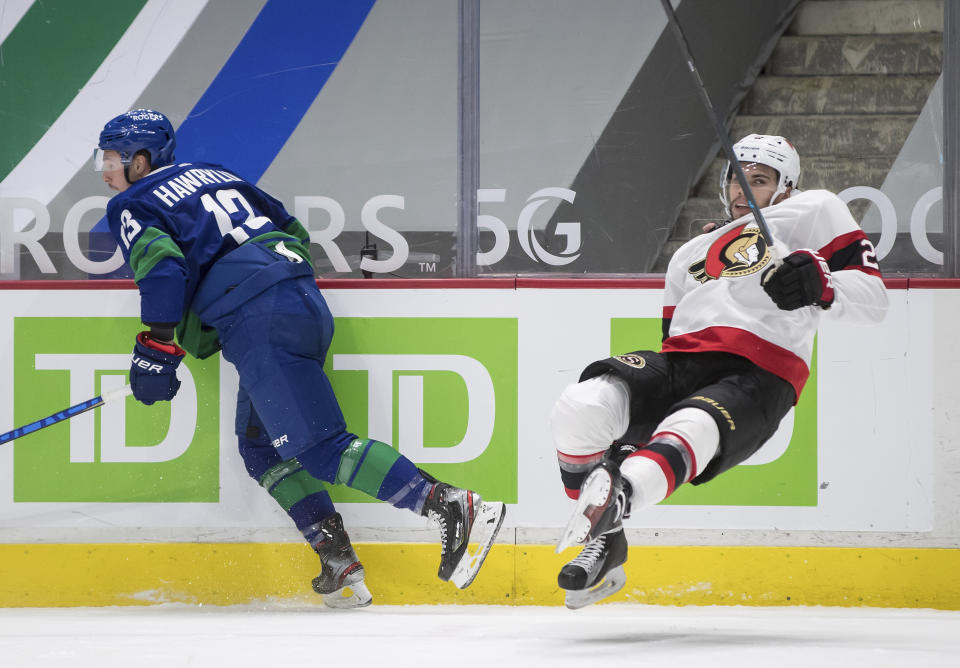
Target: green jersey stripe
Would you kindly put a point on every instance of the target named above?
(293, 243)
(149, 248)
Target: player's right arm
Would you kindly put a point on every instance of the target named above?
(146, 240)
(672, 293)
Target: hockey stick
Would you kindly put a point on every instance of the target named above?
(66, 414)
(718, 126)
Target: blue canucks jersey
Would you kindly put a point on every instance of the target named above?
(175, 223)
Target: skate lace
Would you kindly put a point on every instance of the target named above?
(592, 552)
(441, 521)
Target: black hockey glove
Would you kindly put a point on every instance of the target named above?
(153, 369)
(802, 279)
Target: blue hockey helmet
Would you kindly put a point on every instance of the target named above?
(140, 129)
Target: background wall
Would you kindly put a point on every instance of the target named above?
(331, 106)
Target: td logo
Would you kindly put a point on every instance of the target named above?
(123, 451)
(443, 391)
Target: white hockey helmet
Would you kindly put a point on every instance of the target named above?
(770, 150)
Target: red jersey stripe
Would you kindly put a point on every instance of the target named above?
(778, 361)
(664, 465)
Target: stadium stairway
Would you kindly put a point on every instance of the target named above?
(845, 84)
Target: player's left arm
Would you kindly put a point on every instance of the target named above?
(287, 224)
(284, 222)
(859, 292)
(836, 267)
(295, 228)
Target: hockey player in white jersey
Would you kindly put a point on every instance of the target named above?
(739, 320)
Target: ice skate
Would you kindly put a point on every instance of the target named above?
(464, 519)
(597, 572)
(340, 582)
(600, 508)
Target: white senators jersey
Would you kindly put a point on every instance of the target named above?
(713, 299)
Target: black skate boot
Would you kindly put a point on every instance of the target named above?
(463, 518)
(603, 502)
(340, 582)
(597, 572)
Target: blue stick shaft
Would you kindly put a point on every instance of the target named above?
(65, 414)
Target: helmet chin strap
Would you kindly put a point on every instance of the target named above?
(781, 189)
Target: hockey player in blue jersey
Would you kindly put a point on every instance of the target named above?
(221, 265)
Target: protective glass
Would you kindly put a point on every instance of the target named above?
(107, 160)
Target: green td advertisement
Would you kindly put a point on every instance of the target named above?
(441, 390)
(123, 451)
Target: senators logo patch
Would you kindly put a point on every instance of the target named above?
(738, 252)
(636, 361)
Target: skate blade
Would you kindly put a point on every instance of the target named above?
(354, 595)
(595, 491)
(610, 585)
(484, 532)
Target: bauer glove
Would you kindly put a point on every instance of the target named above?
(153, 369)
(802, 279)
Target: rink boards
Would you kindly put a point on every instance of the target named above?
(137, 505)
(51, 575)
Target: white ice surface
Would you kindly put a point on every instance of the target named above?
(611, 636)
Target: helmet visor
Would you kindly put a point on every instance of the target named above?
(107, 160)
